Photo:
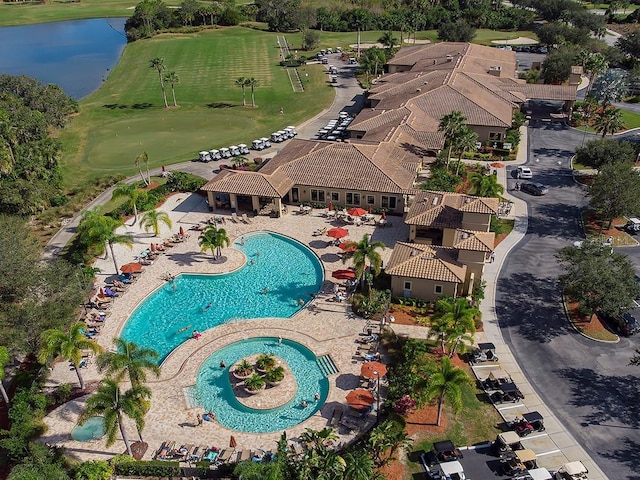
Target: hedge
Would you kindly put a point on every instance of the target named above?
(151, 468)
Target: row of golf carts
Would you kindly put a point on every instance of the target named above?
(242, 149)
(335, 129)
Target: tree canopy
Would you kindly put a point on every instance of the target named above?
(596, 153)
(615, 191)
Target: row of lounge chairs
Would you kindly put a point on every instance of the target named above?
(244, 218)
(191, 453)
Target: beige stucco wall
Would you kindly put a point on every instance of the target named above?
(304, 196)
(475, 263)
(421, 288)
(448, 235)
(478, 222)
(484, 132)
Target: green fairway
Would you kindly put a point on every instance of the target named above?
(125, 116)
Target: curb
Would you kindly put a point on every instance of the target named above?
(573, 325)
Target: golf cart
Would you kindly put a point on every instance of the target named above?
(633, 225)
(234, 150)
(572, 471)
(486, 352)
(243, 149)
(258, 145)
(266, 142)
(276, 137)
(495, 379)
(204, 156)
(535, 420)
(537, 474)
(225, 153)
(214, 154)
(443, 451)
(452, 470)
(508, 392)
(292, 130)
(507, 442)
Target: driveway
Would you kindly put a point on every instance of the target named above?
(588, 384)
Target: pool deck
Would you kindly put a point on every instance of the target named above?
(324, 326)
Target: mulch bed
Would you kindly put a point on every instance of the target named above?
(584, 323)
(405, 315)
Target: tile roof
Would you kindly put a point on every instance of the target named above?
(249, 183)
(540, 91)
(476, 241)
(445, 209)
(415, 260)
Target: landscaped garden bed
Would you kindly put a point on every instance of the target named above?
(596, 229)
(589, 325)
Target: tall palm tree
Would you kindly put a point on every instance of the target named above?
(144, 158)
(252, 83)
(152, 219)
(451, 125)
(129, 359)
(172, 79)
(242, 83)
(593, 64)
(68, 345)
(464, 141)
(388, 40)
(485, 185)
(459, 315)
(365, 250)
(609, 121)
(100, 231)
(4, 359)
(447, 381)
(213, 238)
(158, 64)
(110, 403)
(133, 194)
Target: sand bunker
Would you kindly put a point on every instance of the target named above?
(516, 41)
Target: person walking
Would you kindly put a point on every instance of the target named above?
(492, 257)
(199, 419)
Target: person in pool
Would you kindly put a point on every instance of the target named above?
(184, 329)
(207, 307)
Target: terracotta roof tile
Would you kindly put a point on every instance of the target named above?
(476, 241)
(249, 183)
(426, 262)
(445, 209)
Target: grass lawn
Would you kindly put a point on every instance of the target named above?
(125, 116)
(629, 119)
(485, 37)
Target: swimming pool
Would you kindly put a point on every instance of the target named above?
(288, 269)
(92, 429)
(214, 390)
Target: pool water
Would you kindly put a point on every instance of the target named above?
(285, 267)
(92, 429)
(214, 391)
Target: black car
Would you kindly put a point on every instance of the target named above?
(625, 324)
(534, 188)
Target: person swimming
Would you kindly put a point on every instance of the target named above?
(209, 305)
(184, 329)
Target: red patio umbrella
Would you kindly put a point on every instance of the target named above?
(360, 399)
(338, 232)
(131, 268)
(356, 212)
(373, 370)
(344, 274)
(181, 231)
(348, 247)
(232, 442)
(330, 207)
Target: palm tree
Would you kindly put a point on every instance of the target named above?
(4, 359)
(609, 121)
(242, 83)
(133, 194)
(388, 40)
(213, 238)
(594, 64)
(172, 79)
(451, 125)
(485, 185)
(99, 230)
(152, 219)
(158, 64)
(68, 345)
(447, 381)
(465, 140)
(144, 158)
(252, 83)
(112, 405)
(129, 359)
(359, 465)
(365, 250)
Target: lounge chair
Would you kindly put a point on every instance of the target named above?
(244, 455)
(245, 218)
(234, 217)
(225, 455)
(336, 417)
(195, 455)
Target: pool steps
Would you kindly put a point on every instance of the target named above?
(326, 365)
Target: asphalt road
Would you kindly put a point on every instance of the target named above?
(588, 384)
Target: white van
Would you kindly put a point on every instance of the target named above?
(243, 149)
(214, 154)
(225, 153)
(204, 156)
(265, 141)
(258, 145)
(234, 150)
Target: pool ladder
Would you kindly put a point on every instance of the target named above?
(326, 365)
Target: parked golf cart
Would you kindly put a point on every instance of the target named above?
(243, 149)
(572, 471)
(495, 378)
(265, 142)
(535, 474)
(444, 451)
(292, 130)
(506, 442)
(225, 153)
(276, 137)
(204, 156)
(486, 352)
(215, 154)
(234, 150)
(258, 145)
(530, 422)
(508, 392)
(453, 470)
(518, 462)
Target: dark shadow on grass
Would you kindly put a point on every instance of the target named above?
(122, 106)
(220, 105)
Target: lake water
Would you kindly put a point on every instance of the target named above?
(76, 55)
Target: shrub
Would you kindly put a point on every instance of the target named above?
(93, 470)
(404, 405)
(63, 392)
(275, 375)
(254, 383)
(266, 362)
(151, 468)
(244, 368)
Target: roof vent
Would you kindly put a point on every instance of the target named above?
(413, 253)
(465, 235)
(435, 61)
(418, 90)
(426, 83)
(467, 200)
(435, 201)
(449, 58)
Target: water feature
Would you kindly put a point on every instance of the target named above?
(76, 55)
(214, 390)
(286, 268)
(92, 429)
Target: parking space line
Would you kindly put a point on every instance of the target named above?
(515, 405)
(548, 453)
(539, 435)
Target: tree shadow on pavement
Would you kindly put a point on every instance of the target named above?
(532, 306)
(628, 454)
(559, 220)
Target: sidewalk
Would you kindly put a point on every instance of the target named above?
(555, 446)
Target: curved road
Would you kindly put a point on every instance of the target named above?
(588, 384)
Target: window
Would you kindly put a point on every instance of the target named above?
(317, 195)
(353, 198)
(438, 290)
(495, 136)
(371, 199)
(389, 202)
(335, 196)
(407, 286)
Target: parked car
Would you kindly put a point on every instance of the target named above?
(534, 188)
(524, 173)
(633, 225)
(627, 324)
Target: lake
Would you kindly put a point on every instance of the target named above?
(77, 55)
